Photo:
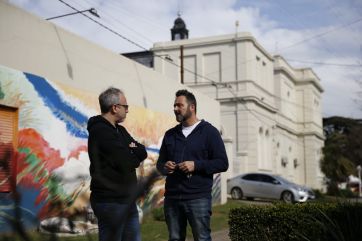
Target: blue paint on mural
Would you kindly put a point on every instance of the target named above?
(27, 209)
(75, 121)
(155, 150)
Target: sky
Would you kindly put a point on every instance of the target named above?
(325, 35)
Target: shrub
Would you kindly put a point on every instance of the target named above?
(347, 193)
(312, 221)
(318, 194)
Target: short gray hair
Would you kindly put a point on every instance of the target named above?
(108, 98)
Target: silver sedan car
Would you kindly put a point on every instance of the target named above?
(267, 186)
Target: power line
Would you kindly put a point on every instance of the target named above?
(105, 27)
(322, 34)
(303, 25)
(137, 16)
(108, 13)
(324, 63)
(136, 44)
(239, 99)
(301, 61)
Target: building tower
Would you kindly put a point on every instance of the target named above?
(179, 30)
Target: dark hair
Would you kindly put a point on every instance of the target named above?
(108, 98)
(189, 97)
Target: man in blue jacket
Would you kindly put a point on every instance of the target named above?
(190, 154)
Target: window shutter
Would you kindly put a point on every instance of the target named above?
(8, 142)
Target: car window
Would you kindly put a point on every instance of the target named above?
(251, 177)
(268, 179)
(284, 180)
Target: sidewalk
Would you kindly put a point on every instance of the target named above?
(222, 235)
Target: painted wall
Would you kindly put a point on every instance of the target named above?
(51, 158)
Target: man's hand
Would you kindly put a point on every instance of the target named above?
(187, 166)
(170, 166)
(132, 145)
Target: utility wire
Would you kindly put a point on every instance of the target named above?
(227, 85)
(105, 27)
(149, 21)
(106, 12)
(136, 44)
(300, 61)
(137, 16)
(293, 18)
(337, 13)
(322, 34)
(323, 63)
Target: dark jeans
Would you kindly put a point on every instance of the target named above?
(197, 212)
(117, 222)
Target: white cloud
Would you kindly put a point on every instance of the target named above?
(340, 90)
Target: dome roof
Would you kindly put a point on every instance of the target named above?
(179, 30)
(179, 23)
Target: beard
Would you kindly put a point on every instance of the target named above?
(183, 117)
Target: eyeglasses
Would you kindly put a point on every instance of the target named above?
(125, 106)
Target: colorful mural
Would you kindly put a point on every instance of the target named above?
(52, 176)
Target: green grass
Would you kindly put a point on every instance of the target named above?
(151, 229)
(220, 215)
(157, 230)
(36, 236)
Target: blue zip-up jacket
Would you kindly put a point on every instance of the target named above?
(205, 147)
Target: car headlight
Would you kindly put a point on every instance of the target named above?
(301, 190)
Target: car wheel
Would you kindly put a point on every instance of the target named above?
(287, 197)
(236, 193)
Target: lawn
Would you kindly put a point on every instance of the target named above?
(157, 230)
(151, 229)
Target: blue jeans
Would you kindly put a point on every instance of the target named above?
(117, 222)
(197, 212)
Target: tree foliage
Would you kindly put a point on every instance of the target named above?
(343, 148)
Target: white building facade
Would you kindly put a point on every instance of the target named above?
(270, 112)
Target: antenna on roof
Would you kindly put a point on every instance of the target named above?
(236, 28)
(179, 12)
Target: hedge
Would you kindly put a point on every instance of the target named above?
(308, 221)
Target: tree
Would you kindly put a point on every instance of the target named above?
(358, 100)
(342, 150)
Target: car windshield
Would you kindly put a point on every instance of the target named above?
(284, 180)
